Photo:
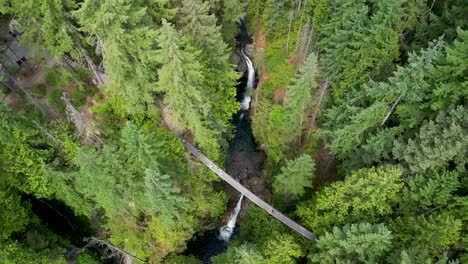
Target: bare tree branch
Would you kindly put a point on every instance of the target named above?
(391, 110)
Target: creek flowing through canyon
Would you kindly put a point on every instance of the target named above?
(244, 162)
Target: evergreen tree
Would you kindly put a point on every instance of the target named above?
(299, 98)
(355, 243)
(220, 77)
(243, 254)
(275, 17)
(366, 195)
(181, 78)
(438, 143)
(356, 48)
(162, 196)
(22, 155)
(129, 68)
(295, 176)
(356, 128)
(282, 249)
(436, 232)
(449, 75)
(45, 24)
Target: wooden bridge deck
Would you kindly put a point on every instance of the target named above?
(272, 211)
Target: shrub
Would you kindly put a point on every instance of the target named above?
(83, 74)
(57, 76)
(79, 94)
(40, 90)
(55, 101)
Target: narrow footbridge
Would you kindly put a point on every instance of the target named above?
(272, 211)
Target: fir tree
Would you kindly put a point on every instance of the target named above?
(363, 243)
(295, 176)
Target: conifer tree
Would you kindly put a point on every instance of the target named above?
(357, 130)
(129, 68)
(45, 24)
(275, 17)
(21, 155)
(243, 254)
(438, 143)
(162, 197)
(356, 48)
(220, 77)
(295, 176)
(355, 243)
(299, 97)
(366, 195)
(181, 79)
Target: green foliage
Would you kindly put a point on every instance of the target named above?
(449, 75)
(57, 76)
(299, 98)
(219, 75)
(85, 259)
(21, 156)
(79, 94)
(437, 232)
(40, 90)
(181, 259)
(181, 73)
(54, 100)
(431, 190)
(359, 45)
(295, 176)
(257, 223)
(275, 17)
(355, 243)
(366, 195)
(13, 252)
(44, 24)
(130, 67)
(162, 197)
(355, 128)
(242, 254)
(14, 214)
(282, 249)
(438, 143)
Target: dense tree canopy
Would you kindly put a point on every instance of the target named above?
(357, 130)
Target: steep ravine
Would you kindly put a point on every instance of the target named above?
(244, 162)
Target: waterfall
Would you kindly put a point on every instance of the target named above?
(250, 82)
(225, 232)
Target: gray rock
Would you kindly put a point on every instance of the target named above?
(249, 50)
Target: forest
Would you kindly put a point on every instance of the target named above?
(347, 116)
